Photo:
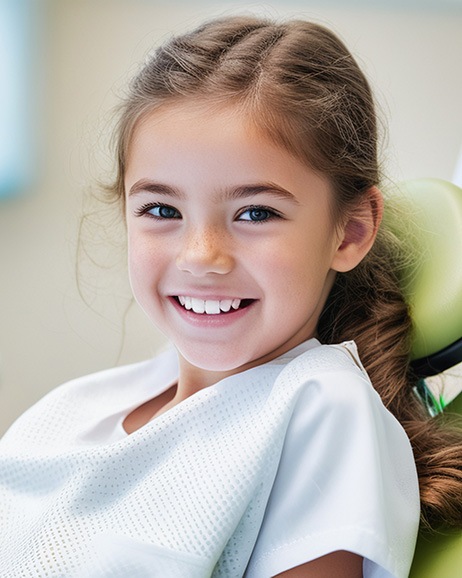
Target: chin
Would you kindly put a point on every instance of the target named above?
(209, 359)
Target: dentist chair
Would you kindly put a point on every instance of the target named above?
(433, 287)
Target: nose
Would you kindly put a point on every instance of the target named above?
(205, 250)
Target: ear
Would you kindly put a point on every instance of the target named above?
(359, 232)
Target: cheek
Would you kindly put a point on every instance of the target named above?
(144, 249)
(137, 280)
(298, 271)
(134, 257)
(141, 266)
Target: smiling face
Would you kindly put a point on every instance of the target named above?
(232, 244)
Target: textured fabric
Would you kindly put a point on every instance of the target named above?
(258, 473)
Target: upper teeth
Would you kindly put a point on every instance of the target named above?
(209, 306)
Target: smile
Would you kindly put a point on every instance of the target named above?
(212, 306)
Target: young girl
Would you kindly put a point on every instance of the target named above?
(256, 446)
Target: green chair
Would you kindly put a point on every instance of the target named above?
(440, 555)
(433, 287)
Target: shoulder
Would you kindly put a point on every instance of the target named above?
(79, 401)
(331, 379)
(113, 380)
(338, 410)
(346, 477)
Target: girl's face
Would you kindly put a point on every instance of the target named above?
(232, 246)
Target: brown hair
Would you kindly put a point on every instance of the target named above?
(299, 84)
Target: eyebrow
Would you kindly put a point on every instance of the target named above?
(239, 192)
(147, 186)
(268, 188)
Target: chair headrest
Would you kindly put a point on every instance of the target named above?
(429, 220)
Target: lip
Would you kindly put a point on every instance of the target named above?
(205, 320)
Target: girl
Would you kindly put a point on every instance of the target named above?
(256, 446)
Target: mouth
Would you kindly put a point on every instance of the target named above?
(212, 306)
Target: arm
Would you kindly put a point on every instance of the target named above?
(339, 564)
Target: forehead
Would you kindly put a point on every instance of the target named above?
(216, 138)
(181, 121)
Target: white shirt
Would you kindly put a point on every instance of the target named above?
(261, 472)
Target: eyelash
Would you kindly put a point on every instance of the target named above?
(144, 210)
(271, 213)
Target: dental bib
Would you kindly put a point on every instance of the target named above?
(265, 470)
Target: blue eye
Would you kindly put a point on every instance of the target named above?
(165, 212)
(257, 214)
(158, 211)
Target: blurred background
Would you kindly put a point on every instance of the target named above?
(65, 304)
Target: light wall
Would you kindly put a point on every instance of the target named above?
(48, 332)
